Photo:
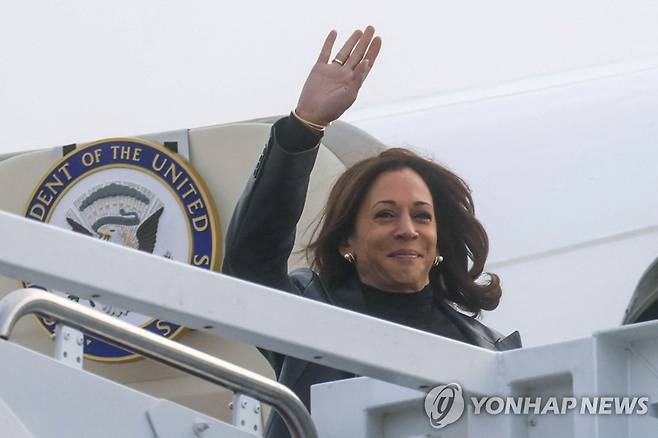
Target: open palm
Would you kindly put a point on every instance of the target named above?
(331, 88)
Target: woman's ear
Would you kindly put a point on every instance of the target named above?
(345, 247)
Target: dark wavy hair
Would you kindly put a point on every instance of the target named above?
(461, 237)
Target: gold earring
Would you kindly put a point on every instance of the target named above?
(437, 260)
(349, 257)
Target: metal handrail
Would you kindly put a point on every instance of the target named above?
(21, 302)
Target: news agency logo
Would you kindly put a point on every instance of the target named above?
(444, 405)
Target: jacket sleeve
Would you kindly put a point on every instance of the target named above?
(261, 233)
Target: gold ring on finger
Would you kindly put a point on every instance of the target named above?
(338, 61)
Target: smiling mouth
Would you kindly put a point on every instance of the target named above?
(405, 255)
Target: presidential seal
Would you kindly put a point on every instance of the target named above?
(134, 193)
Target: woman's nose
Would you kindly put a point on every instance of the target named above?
(406, 228)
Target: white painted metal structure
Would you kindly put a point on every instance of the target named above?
(31, 301)
(618, 362)
(35, 386)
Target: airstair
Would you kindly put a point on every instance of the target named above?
(44, 396)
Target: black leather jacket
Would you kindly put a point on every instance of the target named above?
(259, 241)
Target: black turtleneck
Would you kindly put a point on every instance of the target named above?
(417, 310)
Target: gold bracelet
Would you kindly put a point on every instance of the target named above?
(316, 126)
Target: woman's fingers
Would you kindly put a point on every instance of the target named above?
(357, 54)
(325, 53)
(344, 53)
(373, 50)
(363, 68)
(361, 72)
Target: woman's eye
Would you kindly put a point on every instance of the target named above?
(426, 217)
(385, 214)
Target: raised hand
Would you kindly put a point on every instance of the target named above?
(332, 87)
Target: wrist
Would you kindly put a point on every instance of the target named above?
(293, 136)
(309, 122)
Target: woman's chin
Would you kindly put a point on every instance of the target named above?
(408, 273)
(409, 283)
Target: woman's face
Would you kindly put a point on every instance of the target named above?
(395, 240)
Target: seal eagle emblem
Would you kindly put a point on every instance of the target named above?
(134, 193)
(116, 212)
